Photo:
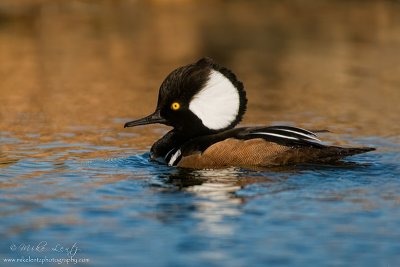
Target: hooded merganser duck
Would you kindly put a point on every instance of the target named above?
(203, 102)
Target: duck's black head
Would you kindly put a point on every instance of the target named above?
(198, 99)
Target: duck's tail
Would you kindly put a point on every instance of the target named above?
(334, 153)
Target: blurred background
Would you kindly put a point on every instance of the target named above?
(72, 72)
(329, 64)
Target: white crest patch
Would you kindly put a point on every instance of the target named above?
(217, 104)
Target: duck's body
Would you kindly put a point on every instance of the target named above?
(203, 102)
(247, 147)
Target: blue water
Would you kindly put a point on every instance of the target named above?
(126, 211)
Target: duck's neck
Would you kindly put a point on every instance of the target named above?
(171, 140)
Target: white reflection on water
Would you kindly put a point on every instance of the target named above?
(216, 202)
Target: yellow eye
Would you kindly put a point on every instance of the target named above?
(175, 106)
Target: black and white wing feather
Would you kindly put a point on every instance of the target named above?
(286, 135)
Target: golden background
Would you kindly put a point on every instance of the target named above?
(75, 71)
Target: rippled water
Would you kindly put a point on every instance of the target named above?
(124, 210)
(75, 185)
